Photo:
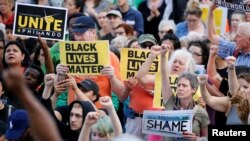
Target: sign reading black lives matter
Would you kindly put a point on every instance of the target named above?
(132, 60)
(84, 58)
(32, 20)
(233, 4)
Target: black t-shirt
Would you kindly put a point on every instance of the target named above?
(4, 113)
(220, 118)
(63, 110)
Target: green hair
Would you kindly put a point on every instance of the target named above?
(103, 125)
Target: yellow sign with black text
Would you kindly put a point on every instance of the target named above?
(132, 59)
(84, 58)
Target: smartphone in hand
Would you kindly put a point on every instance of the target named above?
(61, 76)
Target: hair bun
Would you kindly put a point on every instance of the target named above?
(193, 4)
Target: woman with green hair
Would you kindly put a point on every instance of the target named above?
(99, 127)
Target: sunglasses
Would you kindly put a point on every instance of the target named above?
(146, 45)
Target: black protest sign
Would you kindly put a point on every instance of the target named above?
(33, 20)
(238, 5)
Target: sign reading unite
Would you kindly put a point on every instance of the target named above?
(32, 20)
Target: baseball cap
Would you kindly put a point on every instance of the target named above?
(18, 122)
(89, 85)
(147, 38)
(82, 24)
(114, 12)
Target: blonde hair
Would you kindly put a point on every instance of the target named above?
(193, 8)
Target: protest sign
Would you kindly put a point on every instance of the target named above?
(132, 60)
(158, 100)
(173, 80)
(33, 20)
(234, 5)
(84, 58)
(167, 123)
(220, 18)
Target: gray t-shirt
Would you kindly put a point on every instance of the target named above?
(201, 119)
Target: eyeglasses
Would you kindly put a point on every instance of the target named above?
(192, 20)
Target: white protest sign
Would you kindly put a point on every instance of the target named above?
(167, 123)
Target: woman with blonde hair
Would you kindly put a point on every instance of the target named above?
(192, 21)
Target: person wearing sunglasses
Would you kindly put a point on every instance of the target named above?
(146, 41)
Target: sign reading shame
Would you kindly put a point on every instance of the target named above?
(234, 4)
(86, 58)
(167, 123)
(132, 60)
(33, 20)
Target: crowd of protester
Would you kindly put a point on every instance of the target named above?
(40, 100)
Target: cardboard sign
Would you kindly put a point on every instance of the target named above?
(220, 18)
(234, 5)
(167, 123)
(132, 60)
(84, 58)
(32, 20)
(158, 99)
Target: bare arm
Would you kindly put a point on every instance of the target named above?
(213, 91)
(116, 124)
(212, 73)
(144, 69)
(204, 132)
(90, 119)
(210, 28)
(47, 58)
(232, 78)
(217, 103)
(141, 74)
(40, 119)
(166, 90)
(117, 86)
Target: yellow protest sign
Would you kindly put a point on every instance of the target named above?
(220, 18)
(158, 100)
(173, 80)
(132, 60)
(84, 58)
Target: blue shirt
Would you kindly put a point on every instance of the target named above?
(181, 29)
(227, 48)
(134, 18)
